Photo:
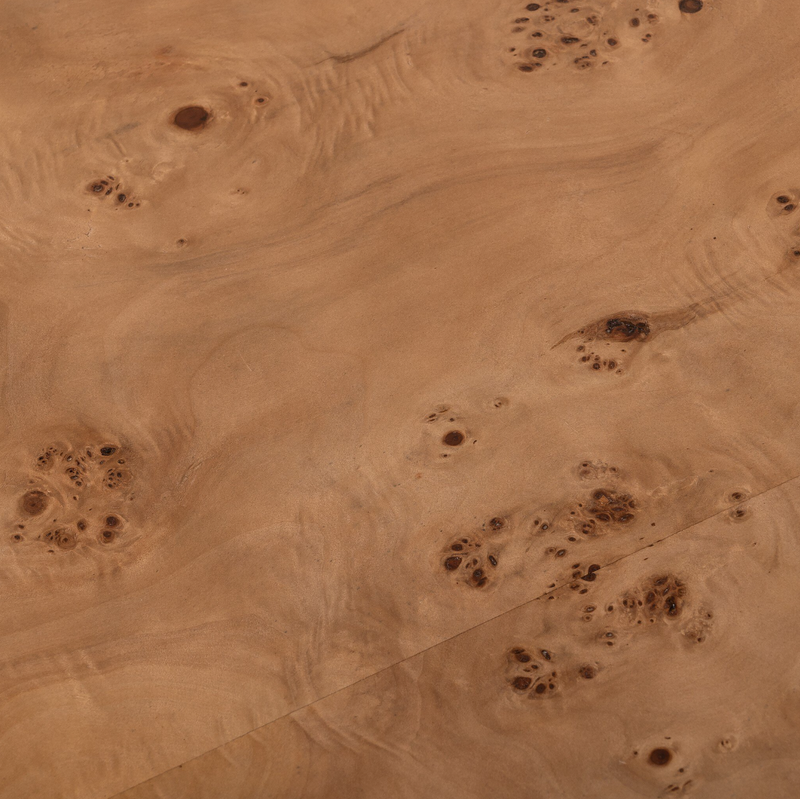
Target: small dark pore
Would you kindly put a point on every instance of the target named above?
(671, 606)
(621, 329)
(660, 757)
(454, 438)
(523, 657)
(34, 502)
(193, 117)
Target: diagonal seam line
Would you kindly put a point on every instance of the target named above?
(453, 637)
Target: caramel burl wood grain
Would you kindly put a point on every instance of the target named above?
(618, 692)
(364, 366)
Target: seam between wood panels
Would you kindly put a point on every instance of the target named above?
(451, 638)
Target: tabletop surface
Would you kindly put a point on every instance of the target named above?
(399, 399)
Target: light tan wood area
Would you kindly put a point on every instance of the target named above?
(400, 399)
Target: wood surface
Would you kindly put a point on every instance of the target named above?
(399, 399)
